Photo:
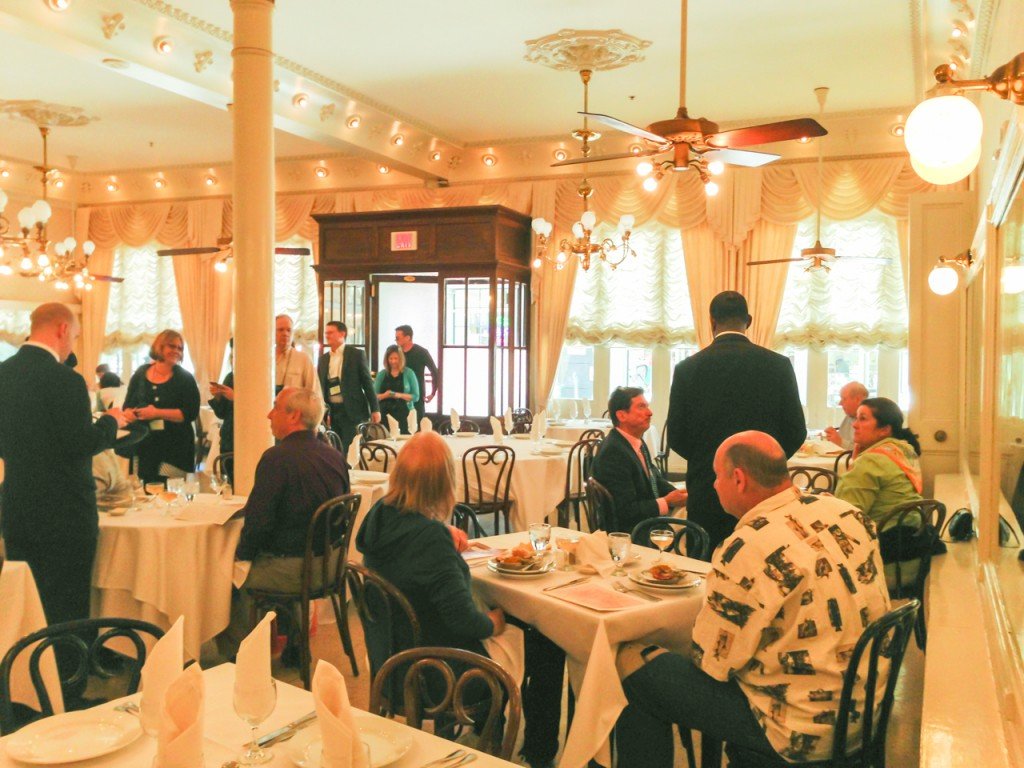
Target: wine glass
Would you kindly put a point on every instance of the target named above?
(618, 548)
(586, 411)
(540, 536)
(153, 490)
(662, 538)
(555, 409)
(176, 486)
(135, 486)
(190, 486)
(572, 410)
(254, 707)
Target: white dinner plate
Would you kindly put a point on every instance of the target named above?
(562, 443)
(521, 437)
(368, 476)
(548, 568)
(688, 580)
(388, 741)
(73, 736)
(556, 423)
(549, 450)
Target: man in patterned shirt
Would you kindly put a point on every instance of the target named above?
(789, 594)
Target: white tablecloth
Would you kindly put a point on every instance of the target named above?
(153, 567)
(590, 639)
(573, 429)
(21, 613)
(538, 481)
(371, 493)
(224, 733)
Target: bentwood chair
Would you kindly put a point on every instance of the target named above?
(814, 479)
(83, 642)
(371, 430)
(907, 539)
(843, 460)
(332, 438)
(224, 465)
(324, 565)
(593, 434)
(464, 518)
(661, 460)
(697, 541)
(522, 421)
(452, 687)
(466, 427)
(600, 507)
(486, 478)
(577, 472)
(885, 638)
(380, 457)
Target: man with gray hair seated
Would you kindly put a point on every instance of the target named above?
(788, 596)
(292, 479)
(850, 398)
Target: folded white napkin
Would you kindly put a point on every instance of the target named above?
(592, 554)
(252, 666)
(456, 423)
(352, 459)
(393, 427)
(542, 417)
(342, 747)
(179, 743)
(410, 421)
(162, 667)
(426, 425)
(509, 424)
(539, 427)
(496, 427)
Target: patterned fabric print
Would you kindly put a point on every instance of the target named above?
(790, 593)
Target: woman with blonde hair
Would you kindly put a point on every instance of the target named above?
(396, 387)
(165, 395)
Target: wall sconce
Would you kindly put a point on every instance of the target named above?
(943, 133)
(944, 278)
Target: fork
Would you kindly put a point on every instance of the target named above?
(618, 586)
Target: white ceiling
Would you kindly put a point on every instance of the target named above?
(456, 67)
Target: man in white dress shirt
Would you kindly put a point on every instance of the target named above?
(346, 383)
(850, 398)
(292, 368)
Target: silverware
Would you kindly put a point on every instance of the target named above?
(620, 587)
(129, 706)
(567, 584)
(467, 759)
(285, 733)
(442, 760)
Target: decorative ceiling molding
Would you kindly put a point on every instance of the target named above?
(982, 43)
(41, 113)
(919, 47)
(577, 49)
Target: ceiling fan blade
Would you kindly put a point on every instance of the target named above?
(772, 261)
(785, 130)
(108, 278)
(619, 156)
(186, 251)
(622, 125)
(743, 157)
(282, 251)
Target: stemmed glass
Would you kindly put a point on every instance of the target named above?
(586, 411)
(662, 538)
(190, 486)
(137, 490)
(540, 537)
(254, 707)
(555, 409)
(153, 490)
(175, 488)
(618, 548)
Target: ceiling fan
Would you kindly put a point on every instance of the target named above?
(222, 253)
(696, 142)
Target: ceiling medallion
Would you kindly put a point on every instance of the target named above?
(43, 114)
(593, 49)
(203, 60)
(112, 25)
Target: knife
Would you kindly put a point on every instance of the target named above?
(567, 584)
(288, 730)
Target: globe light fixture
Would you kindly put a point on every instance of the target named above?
(1013, 279)
(945, 276)
(943, 137)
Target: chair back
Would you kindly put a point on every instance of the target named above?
(456, 686)
(332, 438)
(909, 533)
(578, 468)
(223, 464)
(814, 479)
(843, 460)
(600, 507)
(466, 426)
(464, 518)
(389, 622)
(371, 430)
(81, 641)
(379, 457)
(886, 637)
(487, 475)
(593, 434)
(698, 543)
(522, 420)
(328, 539)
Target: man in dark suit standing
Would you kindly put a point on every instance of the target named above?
(346, 383)
(47, 441)
(731, 386)
(624, 466)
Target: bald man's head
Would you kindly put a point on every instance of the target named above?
(56, 326)
(851, 396)
(749, 468)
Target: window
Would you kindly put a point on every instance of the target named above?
(631, 367)
(465, 353)
(575, 377)
(295, 294)
(14, 327)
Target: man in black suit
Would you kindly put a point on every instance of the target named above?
(47, 441)
(624, 466)
(346, 383)
(731, 386)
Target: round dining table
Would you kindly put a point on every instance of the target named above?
(21, 614)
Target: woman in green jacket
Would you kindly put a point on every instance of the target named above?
(397, 388)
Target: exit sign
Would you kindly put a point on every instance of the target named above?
(403, 241)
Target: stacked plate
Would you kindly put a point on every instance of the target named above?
(680, 580)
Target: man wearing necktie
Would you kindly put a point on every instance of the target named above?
(624, 466)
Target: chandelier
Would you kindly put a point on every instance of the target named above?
(28, 249)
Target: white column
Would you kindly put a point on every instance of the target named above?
(253, 234)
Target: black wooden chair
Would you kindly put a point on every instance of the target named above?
(661, 460)
(464, 518)
(324, 563)
(843, 460)
(814, 479)
(908, 538)
(486, 477)
(371, 430)
(600, 507)
(577, 472)
(453, 687)
(698, 543)
(887, 638)
(466, 427)
(80, 641)
(379, 457)
(223, 465)
(332, 438)
(522, 421)
(593, 434)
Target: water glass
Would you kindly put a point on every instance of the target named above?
(568, 544)
(555, 409)
(153, 490)
(254, 709)
(191, 486)
(662, 538)
(586, 411)
(137, 490)
(176, 485)
(618, 548)
(540, 536)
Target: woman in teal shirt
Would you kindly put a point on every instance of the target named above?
(397, 389)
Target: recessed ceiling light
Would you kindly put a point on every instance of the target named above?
(5, 173)
(321, 172)
(489, 160)
(958, 62)
(163, 45)
(959, 30)
(159, 182)
(383, 169)
(898, 130)
(804, 139)
(58, 182)
(58, 5)
(210, 180)
(560, 155)
(635, 149)
(112, 186)
(300, 100)
(435, 155)
(353, 121)
(116, 63)
(398, 139)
